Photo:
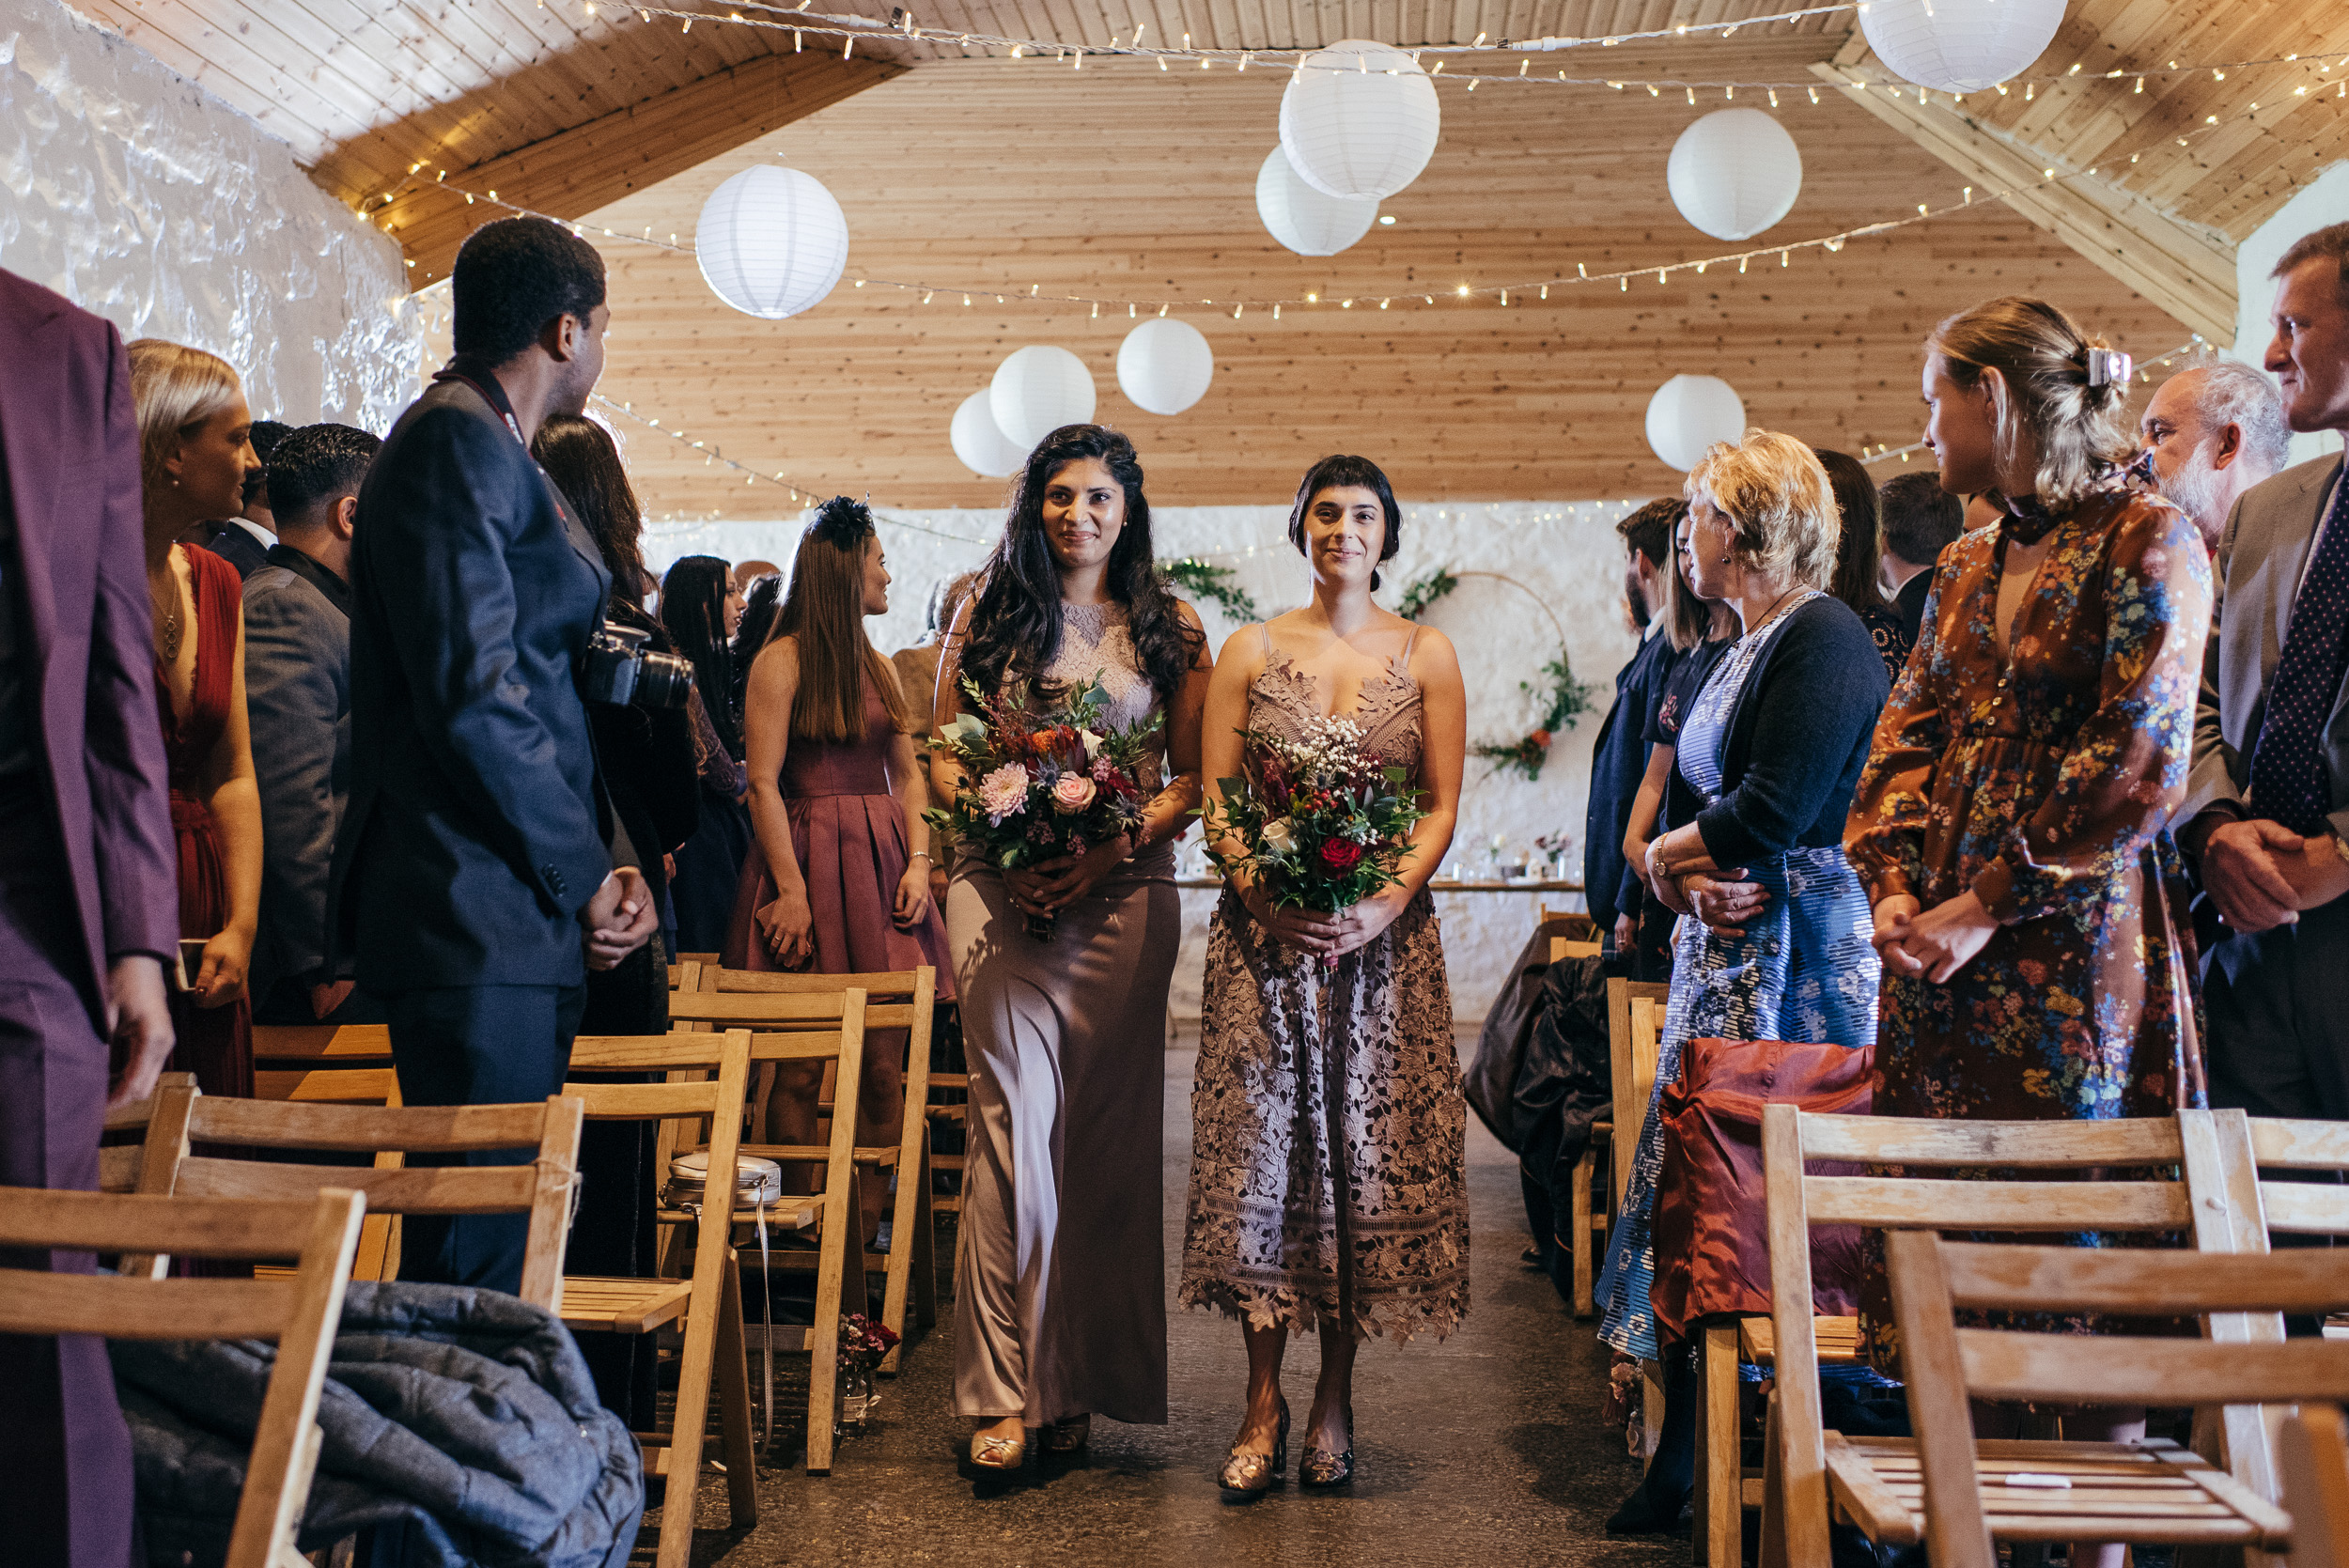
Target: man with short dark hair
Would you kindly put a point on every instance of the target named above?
(479, 868)
(2211, 433)
(1920, 519)
(297, 685)
(2266, 814)
(1619, 756)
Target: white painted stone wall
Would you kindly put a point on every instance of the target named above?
(136, 194)
(1566, 553)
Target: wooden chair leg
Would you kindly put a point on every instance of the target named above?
(1773, 1553)
(1577, 1235)
(903, 1244)
(1720, 1520)
(842, 1212)
(736, 1440)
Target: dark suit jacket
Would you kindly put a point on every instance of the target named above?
(296, 693)
(1910, 603)
(477, 829)
(71, 439)
(241, 550)
(1618, 761)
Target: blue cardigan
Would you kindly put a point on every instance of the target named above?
(1797, 738)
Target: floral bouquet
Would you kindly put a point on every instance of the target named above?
(864, 1346)
(1038, 787)
(1325, 825)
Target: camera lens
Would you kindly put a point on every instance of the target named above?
(664, 681)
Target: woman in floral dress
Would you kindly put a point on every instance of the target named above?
(2010, 824)
(1328, 1185)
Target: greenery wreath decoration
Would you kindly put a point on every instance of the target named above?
(1212, 582)
(1564, 698)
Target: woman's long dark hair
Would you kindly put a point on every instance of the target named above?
(762, 602)
(823, 612)
(693, 608)
(1014, 630)
(579, 457)
(1344, 471)
(1861, 545)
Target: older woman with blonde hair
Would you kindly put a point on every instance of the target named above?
(1772, 943)
(2010, 826)
(194, 452)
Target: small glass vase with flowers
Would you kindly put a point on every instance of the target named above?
(1040, 785)
(1321, 827)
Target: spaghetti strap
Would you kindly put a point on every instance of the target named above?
(1404, 658)
(1264, 630)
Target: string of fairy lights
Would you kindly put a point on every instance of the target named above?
(1501, 294)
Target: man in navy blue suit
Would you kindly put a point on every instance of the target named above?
(479, 870)
(1619, 758)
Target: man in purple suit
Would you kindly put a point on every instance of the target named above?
(88, 895)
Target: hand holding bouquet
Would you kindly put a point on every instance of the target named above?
(1039, 788)
(1322, 826)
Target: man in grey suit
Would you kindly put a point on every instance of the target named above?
(296, 681)
(2266, 815)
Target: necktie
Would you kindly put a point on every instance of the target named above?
(2288, 782)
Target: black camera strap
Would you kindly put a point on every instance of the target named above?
(477, 374)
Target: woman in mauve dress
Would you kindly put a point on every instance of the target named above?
(1060, 1282)
(1327, 1180)
(839, 882)
(195, 449)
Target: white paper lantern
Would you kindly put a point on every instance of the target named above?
(1959, 46)
(1689, 413)
(1037, 390)
(1735, 173)
(1359, 120)
(1164, 365)
(771, 242)
(1309, 221)
(982, 448)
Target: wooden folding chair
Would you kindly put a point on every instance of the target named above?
(1807, 1468)
(2151, 1492)
(1635, 1036)
(773, 1003)
(542, 1188)
(708, 1304)
(1584, 1224)
(300, 1314)
(2315, 1464)
(118, 1163)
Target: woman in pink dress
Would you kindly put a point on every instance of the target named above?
(840, 880)
(195, 449)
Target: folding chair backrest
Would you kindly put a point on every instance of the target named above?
(118, 1163)
(1632, 1088)
(1798, 1199)
(299, 1313)
(1933, 1279)
(1563, 948)
(2315, 1464)
(542, 1188)
(717, 1099)
(2302, 1208)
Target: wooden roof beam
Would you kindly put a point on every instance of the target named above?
(2185, 270)
(575, 172)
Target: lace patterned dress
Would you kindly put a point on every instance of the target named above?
(1060, 1276)
(1328, 1132)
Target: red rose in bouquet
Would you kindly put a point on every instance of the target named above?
(1340, 855)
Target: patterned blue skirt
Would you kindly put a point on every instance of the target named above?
(1802, 971)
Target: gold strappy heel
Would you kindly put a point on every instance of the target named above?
(998, 1454)
(1251, 1475)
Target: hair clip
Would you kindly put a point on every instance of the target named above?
(2109, 367)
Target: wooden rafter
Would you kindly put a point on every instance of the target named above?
(2184, 269)
(575, 172)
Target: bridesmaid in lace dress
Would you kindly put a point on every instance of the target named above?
(1060, 1284)
(1327, 1187)
(195, 449)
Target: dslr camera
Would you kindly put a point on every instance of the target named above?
(620, 670)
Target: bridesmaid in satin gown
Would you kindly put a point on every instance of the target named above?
(838, 882)
(1060, 1281)
(196, 450)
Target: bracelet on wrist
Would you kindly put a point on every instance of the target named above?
(920, 855)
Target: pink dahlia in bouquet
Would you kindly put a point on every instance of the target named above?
(1038, 786)
(1322, 826)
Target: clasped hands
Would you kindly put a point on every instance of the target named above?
(2261, 875)
(1933, 944)
(1722, 900)
(1050, 886)
(619, 919)
(1328, 935)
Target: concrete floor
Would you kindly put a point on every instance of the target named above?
(1484, 1450)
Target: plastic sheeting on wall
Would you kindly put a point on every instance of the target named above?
(131, 191)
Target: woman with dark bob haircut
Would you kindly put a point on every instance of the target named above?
(1060, 1300)
(1328, 1178)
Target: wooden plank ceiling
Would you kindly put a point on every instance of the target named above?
(1133, 183)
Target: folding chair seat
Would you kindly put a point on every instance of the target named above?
(299, 1313)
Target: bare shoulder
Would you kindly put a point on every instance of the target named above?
(1433, 654)
(1243, 652)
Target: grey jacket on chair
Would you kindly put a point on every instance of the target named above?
(2260, 557)
(297, 688)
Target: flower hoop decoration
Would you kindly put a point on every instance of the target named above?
(1564, 698)
(1210, 582)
